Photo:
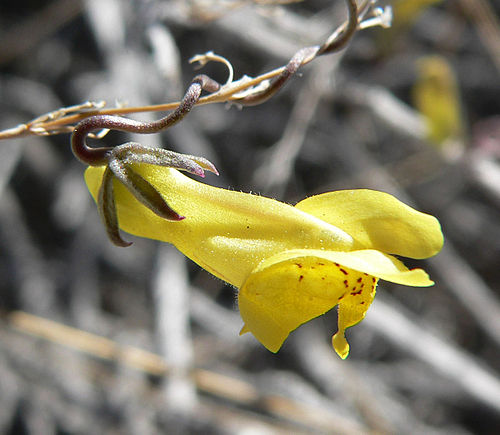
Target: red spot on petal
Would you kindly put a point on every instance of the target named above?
(298, 265)
(346, 283)
(343, 271)
(360, 279)
(301, 277)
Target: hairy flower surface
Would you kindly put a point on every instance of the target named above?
(290, 264)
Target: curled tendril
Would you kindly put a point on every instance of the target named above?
(335, 42)
(118, 160)
(210, 56)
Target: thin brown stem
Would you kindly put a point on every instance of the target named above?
(245, 91)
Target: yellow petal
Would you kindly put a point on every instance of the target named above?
(378, 221)
(227, 233)
(352, 309)
(369, 261)
(280, 296)
(295, 286)
(436, 97)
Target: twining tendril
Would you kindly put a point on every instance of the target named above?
(336, 41)
(245, 91)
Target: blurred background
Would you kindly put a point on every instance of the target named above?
(99, 339)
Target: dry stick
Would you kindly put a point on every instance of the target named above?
(38, 26)
(327, 370)
(227, 387)
(60, 124)
(171, 297)
(488, 25)
(35, 287)
(227, 93)
(278, 167)
(470, 289)
(452, 363)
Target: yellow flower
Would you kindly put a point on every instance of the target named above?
(290, 264)
(437, 98)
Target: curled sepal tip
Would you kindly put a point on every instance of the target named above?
(133, 152)
(207, 165)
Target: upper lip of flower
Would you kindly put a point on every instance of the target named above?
(219, 219)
